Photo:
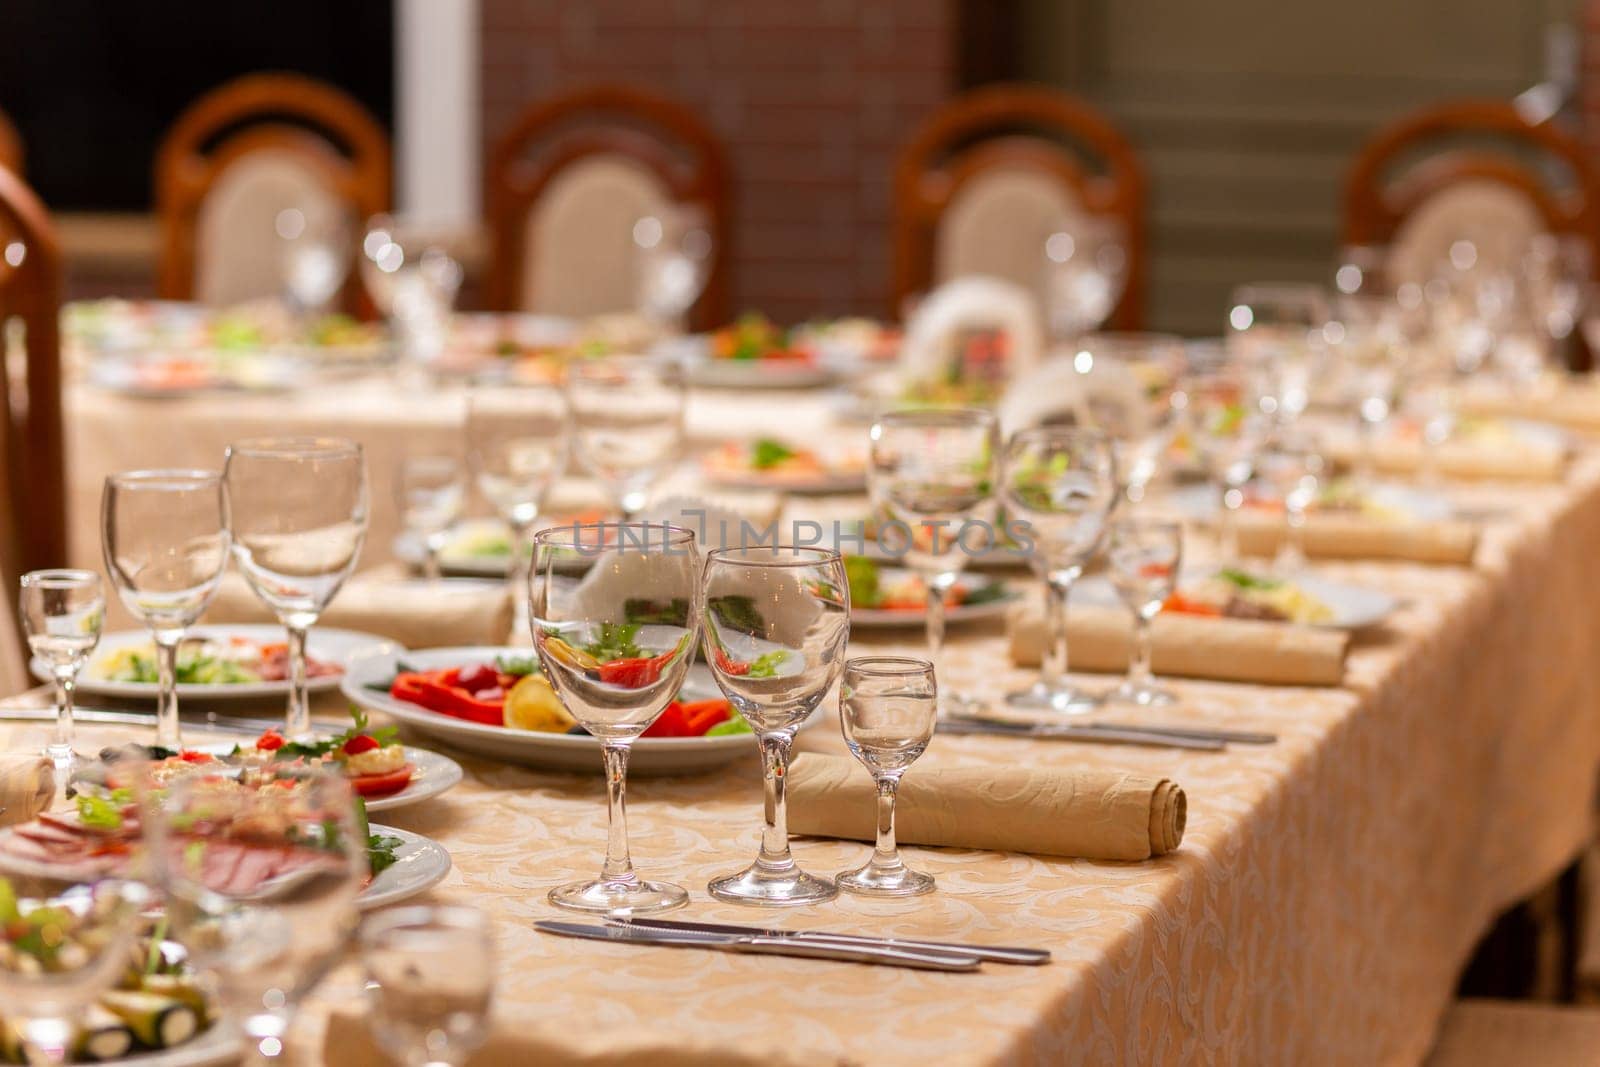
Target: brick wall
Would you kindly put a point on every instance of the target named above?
(811, 97)
(1589, 77)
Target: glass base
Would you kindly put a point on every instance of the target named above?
(1066, 700)
(872, 880)
(1145, 696)
(773, 887)
(621, 899)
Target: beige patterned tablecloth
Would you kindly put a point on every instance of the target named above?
(1326, 894)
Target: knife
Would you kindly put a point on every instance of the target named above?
(993, 953)
(1081, 733)
(210, 721)
(757, 944)
(1243, 737)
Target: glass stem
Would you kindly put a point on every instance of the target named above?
(1292, 557)
(938, 586)
(168, 732)
(521, 565)
(1139, 675)
(1367, 451)
(619, 864)
(431, 547)
(1057, 588)
(60, 749)
(297, 721)
(775, 832)
(1228, 527)
(887, 852)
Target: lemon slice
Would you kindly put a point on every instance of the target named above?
(533, 705)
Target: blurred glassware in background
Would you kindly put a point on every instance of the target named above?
(430, 982)
(1222, 420)
(431, 492)
(1276, 332)
(627, 423)
(1085, 266)
(1290, 469)
(1374, 329)
(1559, 271)
(1128, 389)
(1144, 558)
(62, 612)
(165, 537)
(413, 280)
(674, 262)
(1061, 482)
(315, 256)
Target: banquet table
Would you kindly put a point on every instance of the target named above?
(1327, 892)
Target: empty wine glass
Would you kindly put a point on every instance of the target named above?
(615, 675)
(1291, 470)
(165, 538)
(1143, 557)
(776, 623)
(431, 492)
(931, 474)
(674, 261)
(62, 612)
(260, 876)
(1275, 332)
(627, 420)
(1085, 270)
(1059, 485)
(517, 444)
(67, 939)
(888, 707)
(315, 255)
(1227, 431)
(413, 280)
(297, 509)
(1128, 384)
(430, 981)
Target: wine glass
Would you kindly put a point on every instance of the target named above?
(430, 982)
(67, 940)
(931, 474)
(260, 876)
(62, 612)
(674, 261)
(315, 255)
(1129, 381)
(431, 492)
(1291, 469)
(1275, 331)
(517, 445)
(1060, 486)
(1143, 557)
(1370, 335)
(776, 623)
(614, 675)
(297, 509)
(627, 418)
(1085, 269)
(1560, 276)
(412, 280)
(888, 707)
(165, 538)
(1227, 430)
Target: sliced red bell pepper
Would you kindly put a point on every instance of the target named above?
(728, 665)
(438, 691)
(635, 672)
(689, 719)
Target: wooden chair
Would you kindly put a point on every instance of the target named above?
(1022, 157)
(11, 153)
(567, 183)
(33, 526)
(242, 153)
(1434, 175)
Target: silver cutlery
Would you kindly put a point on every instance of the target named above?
(1243, 737)
(761, 945)
(1052, 732)
(993, 953)
(212, 721)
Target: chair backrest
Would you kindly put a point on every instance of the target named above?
(241, 154)
(987, 178)
(11, 153)
(33, 509)
(567, 184)
(1467, 169)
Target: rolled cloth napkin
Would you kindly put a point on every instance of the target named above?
(1100, 815)
(416, 613)
(1186, 646)
(1330, 536)
(1464, 460)
(26, 786)
(1576, 406)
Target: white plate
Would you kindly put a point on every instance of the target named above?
(759, 374)
(432, 773)
(1200, 503)
(562, 752)
(420, 864)
(1354, 607)
(822, 483)
(879, 618)
(329, 645)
